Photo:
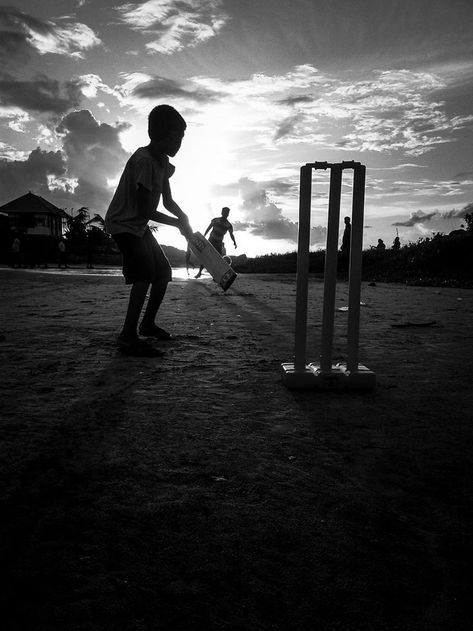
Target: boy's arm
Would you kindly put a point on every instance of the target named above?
(210, 226)
(147, 209)
(169, 203)
(230, 230)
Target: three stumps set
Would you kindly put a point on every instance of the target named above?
(325, 374)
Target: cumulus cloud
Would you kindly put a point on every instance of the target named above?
(318, 236)
(17, 177)
(23, 37)
(78, 175)
(22, 34)
(263, 218)
(174, 24)
(427, 223)
(91, 84)
(94, 155)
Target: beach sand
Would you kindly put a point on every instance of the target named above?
(196, 492)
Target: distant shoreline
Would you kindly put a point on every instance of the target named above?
(180, 273)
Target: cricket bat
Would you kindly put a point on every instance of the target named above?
(208, 256)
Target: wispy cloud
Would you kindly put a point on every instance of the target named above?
(400, 167)
(163, 88)
(9, 153)
(22, 34)
(174, 24)
(465, 176)
(425, 188)
(41, 94)
(459, 213)
(417, 217)
(71, 39)
(390, 111)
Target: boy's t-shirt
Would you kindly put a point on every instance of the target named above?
(142, 168)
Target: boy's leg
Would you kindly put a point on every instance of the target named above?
(199, 273)
(143, 259)
(135, 305)
(128, 341)
(148, 326)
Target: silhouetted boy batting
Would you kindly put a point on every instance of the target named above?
(144, 181)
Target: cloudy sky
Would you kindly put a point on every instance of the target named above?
(265, 86)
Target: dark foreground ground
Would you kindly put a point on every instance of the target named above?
(195, 492)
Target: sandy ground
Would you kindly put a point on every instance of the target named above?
(195, 491)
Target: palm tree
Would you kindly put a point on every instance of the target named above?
(76, 232)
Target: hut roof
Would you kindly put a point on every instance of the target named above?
(31, 203)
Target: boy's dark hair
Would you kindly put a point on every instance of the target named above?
(162, 119)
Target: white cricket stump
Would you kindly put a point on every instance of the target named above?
(325, 374)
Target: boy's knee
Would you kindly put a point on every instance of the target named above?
(162, 283)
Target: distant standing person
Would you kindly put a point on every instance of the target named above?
(219, 227)
(396, 243)
(345, 247)
(62, 253)
(15, 252)
(346, 237)
(144, 181)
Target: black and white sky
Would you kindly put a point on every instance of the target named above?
(265, 87)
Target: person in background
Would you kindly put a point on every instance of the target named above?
(219, 226)
(15, 251)
(381, 245)
(62, 254)
(345, 247)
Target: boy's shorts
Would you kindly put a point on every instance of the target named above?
(218, 245)
(143, 258)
